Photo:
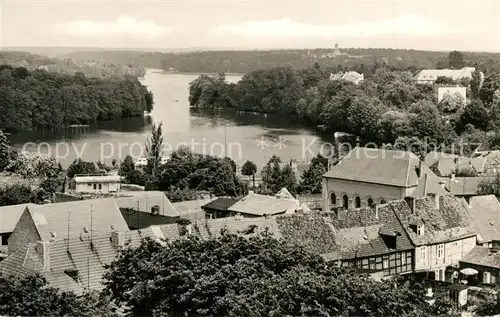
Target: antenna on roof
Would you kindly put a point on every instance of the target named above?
(91, 229)
(138, 215)
(67, 243)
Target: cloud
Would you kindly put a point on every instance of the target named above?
(121, 26)
(408, 24)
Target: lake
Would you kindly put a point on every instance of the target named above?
(242, 136)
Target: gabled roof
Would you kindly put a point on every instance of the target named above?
(260, 205)
(486, 161)
(361, 231)
(220, 204)
(97, 179)
(76, 217)
(485, 217)
(482, 256)
(433, 74)
(448, 223)
(9, 216)
(139, 219)
(462, 186)
(353, 77)
(145, 200)
(87, 257)
(379, 166)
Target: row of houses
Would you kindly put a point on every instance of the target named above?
(435, 236)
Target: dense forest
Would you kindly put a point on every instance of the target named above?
(365, 61)
(41, 99)
(388, 108)
(69, 66)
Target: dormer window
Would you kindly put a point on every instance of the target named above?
(420, 230)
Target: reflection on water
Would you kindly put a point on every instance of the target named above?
(216, 132)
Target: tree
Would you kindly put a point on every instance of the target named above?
(490, 84)
(193, 277)
(80, 167)
(127, 166)
(451, 103)
(476, 83)
(249, 169)
(18, 194)
(4, 151)
(444, 80)
(275, 176)
(31, 296)
(490, 186)
(311, 180)
(456, 60)
(476, 114)
(154, 149)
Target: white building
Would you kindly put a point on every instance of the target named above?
(442, 91)
(97, 183)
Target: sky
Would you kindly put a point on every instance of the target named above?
(411, 24)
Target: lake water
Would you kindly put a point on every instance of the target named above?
(242, 136)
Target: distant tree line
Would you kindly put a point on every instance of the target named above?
(40, 99)
(365, 61)
(389, 108)
(70, 66)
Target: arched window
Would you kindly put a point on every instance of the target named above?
(345, 202)
(357, 202)
(383, 201)
(370, 202)
(333, 199)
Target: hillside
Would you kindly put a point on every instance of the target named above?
(96, 69)
(361, 60)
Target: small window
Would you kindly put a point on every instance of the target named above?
(422, 253)
(100, 186)
(345, 201)
(370, 202)
(95, 186)
(357, 202)
(440, 251)
(385, 264)
(89, 185)
(333, 199)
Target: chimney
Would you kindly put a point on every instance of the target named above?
(267, 216)
(452, 176)
(411, 203)
(238, 216)
(437, 200)
(118, 238)
(43, 248)
(189, 229)
(418, 169)
(376, 211)
(250, 192)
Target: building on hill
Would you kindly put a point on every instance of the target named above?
(451, 90)
(429, 76)
(256, 205)
(352, 76)
(97, 183)
(62, 220)
(440, 229)
(373, 239)
(75, 264)
(366, 176)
